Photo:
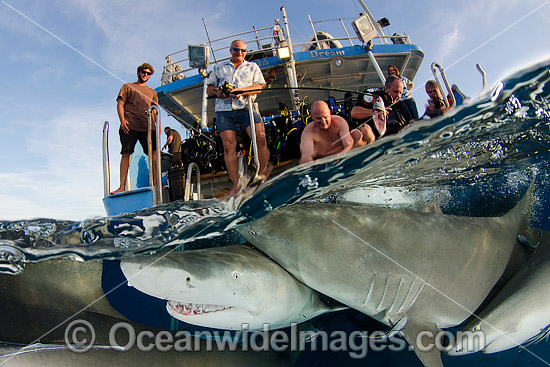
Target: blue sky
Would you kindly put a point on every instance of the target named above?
(63, 63)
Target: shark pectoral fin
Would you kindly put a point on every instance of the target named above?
(421, 336)
(307, 332)
(398, 326)
(327, 304)
(338, 308)
(395, 328)
(544, 334)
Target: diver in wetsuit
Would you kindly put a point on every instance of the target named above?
(380, 113)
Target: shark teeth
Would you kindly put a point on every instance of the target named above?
(194, 309)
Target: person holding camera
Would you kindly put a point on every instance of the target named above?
(230, 83)
(436, 105)
(406, 97)
(380, 113)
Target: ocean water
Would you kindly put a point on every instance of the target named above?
(476, 161)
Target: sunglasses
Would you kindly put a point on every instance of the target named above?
(146, 72)
(243, 50)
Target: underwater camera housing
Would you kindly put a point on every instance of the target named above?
(438, 103)
(226, 88)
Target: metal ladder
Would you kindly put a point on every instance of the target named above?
(435, 67)
(157, 191)
(188, 195)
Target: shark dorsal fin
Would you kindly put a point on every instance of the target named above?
(433, 208)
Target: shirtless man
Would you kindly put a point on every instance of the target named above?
(326, 135)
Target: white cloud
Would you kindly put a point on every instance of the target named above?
(65, 179)
(446, 50)
(462, 26)
(137, 31)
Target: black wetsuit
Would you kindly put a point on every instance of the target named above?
(398, 117)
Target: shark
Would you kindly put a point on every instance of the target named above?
(434, 269)
(39, 354)
(226, 288)
(103, 356)
(518, 314)
(39, 303)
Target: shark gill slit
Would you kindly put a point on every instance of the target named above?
(408, 303)
(399, 297)
(369, 293)
(380, 306)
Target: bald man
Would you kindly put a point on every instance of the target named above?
(326, 135)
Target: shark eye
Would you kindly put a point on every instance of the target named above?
(236, 275)
(476, 328)
(252, 232)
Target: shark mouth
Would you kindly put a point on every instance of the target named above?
(187, 309)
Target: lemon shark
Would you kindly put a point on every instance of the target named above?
(38, 304)
(54, 355)
(40, 301)
(226, 287)
(434, 269)
(519, 312)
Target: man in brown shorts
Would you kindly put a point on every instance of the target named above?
(133, 102)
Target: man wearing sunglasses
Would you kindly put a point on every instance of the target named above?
(133, 101)
(232, 108)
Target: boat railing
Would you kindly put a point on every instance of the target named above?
(105, 152)
(253, 135)
(265, 41)
(157, 189)
(188, 195)
(257, 36)
(483, 80)
(435, 68)
(106, 162)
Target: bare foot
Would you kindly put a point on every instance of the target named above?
(227, 195)
(261, 177)
(267, 170)
(235, 191)
(119, 190)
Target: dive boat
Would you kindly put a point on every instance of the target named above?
(327, 67)
(295, 74)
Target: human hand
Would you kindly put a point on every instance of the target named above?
(430, 106)
(218, 93)
(125, 126)
(236, 93)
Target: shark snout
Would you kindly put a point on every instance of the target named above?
(158, 279)
(471, 339)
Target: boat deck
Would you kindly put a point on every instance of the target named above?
(347, 68)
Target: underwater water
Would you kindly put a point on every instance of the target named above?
(478, 160)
